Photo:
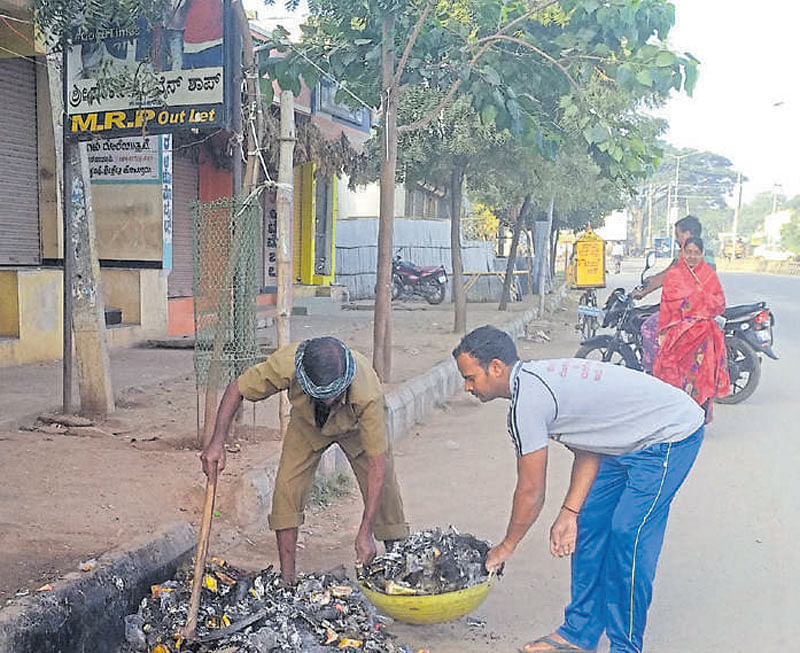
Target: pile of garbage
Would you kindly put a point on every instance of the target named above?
(428, 562)
(258, 613)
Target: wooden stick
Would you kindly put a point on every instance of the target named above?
(200, 557)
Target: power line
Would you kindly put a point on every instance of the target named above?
(325, 73)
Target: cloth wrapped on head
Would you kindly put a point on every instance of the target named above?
(330, 370)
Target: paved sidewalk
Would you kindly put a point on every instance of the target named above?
(422, 336)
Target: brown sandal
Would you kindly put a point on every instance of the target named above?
(554, 646)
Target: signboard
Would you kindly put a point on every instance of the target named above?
(133, 160)
(271, 239)
(181, 64)
(324, 100)
(166, 197)
(590, 261)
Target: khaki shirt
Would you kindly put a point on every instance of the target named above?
(362, 408)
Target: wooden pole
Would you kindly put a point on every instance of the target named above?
(200, 557)
(88, 314)
(285, 209)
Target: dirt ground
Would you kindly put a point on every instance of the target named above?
(68, 498)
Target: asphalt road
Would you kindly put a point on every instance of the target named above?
(729, 570)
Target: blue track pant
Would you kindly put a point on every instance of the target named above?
(620, 532)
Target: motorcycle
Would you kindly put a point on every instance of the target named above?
(747, 329)
(428, 281)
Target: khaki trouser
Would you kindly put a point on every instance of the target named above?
(299, 461)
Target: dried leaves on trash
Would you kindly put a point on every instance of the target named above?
(258, 613)
(432, 561)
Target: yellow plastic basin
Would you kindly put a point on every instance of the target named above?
(431, 608)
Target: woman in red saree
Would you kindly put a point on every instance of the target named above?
(691, 353)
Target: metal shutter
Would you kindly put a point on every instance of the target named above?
(19, 186)
(185, 184)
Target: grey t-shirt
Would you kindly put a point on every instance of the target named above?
(597, 407)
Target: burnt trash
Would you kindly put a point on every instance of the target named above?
(258, 612)
(432, 561)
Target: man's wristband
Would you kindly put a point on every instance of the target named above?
(568, 509)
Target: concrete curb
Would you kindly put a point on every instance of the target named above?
(405, 407)
(85, 611)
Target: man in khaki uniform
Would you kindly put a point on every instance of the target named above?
(336, 397)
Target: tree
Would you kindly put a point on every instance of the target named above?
(790, 234)
(522, 65)
(705, 185)
(449, 149)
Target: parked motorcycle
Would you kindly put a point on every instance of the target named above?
(428, 281)
(747, 329)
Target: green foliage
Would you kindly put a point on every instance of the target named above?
(526, 79)
(790, 234)
(752, 214)
(326, 489)
(60, 20)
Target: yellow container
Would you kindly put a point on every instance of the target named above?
(432, 608)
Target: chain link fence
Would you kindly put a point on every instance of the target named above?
(225, 239)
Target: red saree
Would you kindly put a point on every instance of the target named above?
(691, 353)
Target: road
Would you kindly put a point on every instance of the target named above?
(729, 567)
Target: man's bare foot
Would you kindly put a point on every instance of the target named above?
(552, 642)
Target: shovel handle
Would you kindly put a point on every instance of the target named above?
(200, 557)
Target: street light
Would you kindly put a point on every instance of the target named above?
(677, 158)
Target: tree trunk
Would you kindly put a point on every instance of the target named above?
(531, 274)
(553, 247)
(382, 325)
(285, 204)
(512, 254)
(459, 295)
(543, 260)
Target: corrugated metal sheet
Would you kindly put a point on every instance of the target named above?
(421, 241)
(185, 185)
(19, 188)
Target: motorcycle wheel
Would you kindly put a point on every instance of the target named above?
(744, 368)
(397, 288)
(607, 350)
(434, 293)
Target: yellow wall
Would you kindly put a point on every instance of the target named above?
(9, 304)
(39, 323)
(40, 336)
(121, 290)
(303, 228)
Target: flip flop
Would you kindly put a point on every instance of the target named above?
(554, 645)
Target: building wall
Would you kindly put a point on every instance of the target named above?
(38, 293)
(129, 220)
(33, 332)
(365, 201)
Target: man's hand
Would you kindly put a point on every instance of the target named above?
(564, 534)
(498, 556)
(365, 546)
(213, 458)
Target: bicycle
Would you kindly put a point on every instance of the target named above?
(588, 314)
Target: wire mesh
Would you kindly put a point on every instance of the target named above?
(225, 260)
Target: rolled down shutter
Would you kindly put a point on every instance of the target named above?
(185, 183)
(19, 186)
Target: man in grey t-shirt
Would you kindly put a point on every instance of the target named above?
(634, 438)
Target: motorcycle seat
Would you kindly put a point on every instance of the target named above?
(733, 312)
(428, 269)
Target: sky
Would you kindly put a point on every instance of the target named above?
(746, 105)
